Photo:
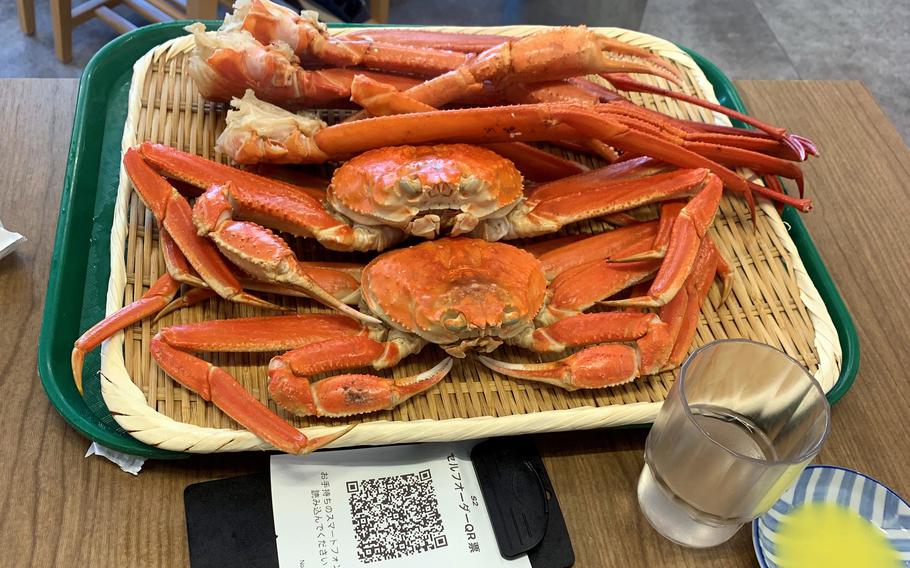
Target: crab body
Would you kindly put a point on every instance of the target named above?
(457, 293)
(425, 190)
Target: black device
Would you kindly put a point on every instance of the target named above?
(229, 522)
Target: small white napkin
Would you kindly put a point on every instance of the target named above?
(126, 462)
(9, 241)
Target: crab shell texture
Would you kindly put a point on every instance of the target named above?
(462, 294)
(420, 189)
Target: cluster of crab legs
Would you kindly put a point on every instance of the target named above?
(460, 290)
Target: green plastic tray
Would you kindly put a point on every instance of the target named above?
(80, 265)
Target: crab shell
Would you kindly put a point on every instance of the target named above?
(420, 189)
(458, 293)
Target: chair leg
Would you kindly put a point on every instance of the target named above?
(379, 11)
(62, 16)
(202, 9)
(26, 16)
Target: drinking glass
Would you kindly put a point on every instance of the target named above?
(736, 429)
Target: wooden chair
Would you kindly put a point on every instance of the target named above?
(65, 17)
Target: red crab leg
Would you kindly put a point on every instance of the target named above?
(580, 287)
(347, 394)
(243, 335)
(668, 214)
(601, 365)
(341, 280)
(174, 215)
(685, 240)
(177, 264)
(548, 210)
(227, 63)
(455, 41)
(682, 312)
(584, 250)
(204, 174)
(379, 99)
(158, 295)
(217, 386)
(799, 144)
(548, 55)
(263, 200)
(267, 257)
(262, 334)
(721, 149)
(540, 54)
(306, 36)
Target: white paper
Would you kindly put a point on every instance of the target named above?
(126, 462)
(9, 241)
(387, 507)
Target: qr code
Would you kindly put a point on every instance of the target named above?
(395, 516)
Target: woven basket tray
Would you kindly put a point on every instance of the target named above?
(773, 301)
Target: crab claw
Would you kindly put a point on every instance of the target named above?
(346, 395)
(595, 367)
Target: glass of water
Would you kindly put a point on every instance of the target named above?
(737, 428)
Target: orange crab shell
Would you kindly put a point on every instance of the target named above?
(452, 290)
(396, 185)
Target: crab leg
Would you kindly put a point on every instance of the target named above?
(204, 174)
(226, 63)
(455, 41)
(800, 145)
(341, 280)
(668, 214)
(722, 149)
(593, 194)
(588, 94)
(177, 264)
(347, 394)
(548, 55)
(161, 292)
(379, 99)
(685, 240)
(603, 246)
(269, 22)
(267, 257)
(174, 215)
(580, 287)
(682, 312)
(599, 366)
(286, 207)
(244, 335)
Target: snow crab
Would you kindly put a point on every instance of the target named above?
(464, 295)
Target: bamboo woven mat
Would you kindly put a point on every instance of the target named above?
(766, 303)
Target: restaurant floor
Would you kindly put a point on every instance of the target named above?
(755, 39)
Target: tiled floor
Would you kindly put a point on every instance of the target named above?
(758, 39)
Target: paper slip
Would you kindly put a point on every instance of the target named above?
(386, 507)
(9, 241)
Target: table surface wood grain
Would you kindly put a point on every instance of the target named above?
(58, 508)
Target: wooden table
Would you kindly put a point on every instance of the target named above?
(57, 508)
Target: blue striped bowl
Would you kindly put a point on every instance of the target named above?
(859, 493)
